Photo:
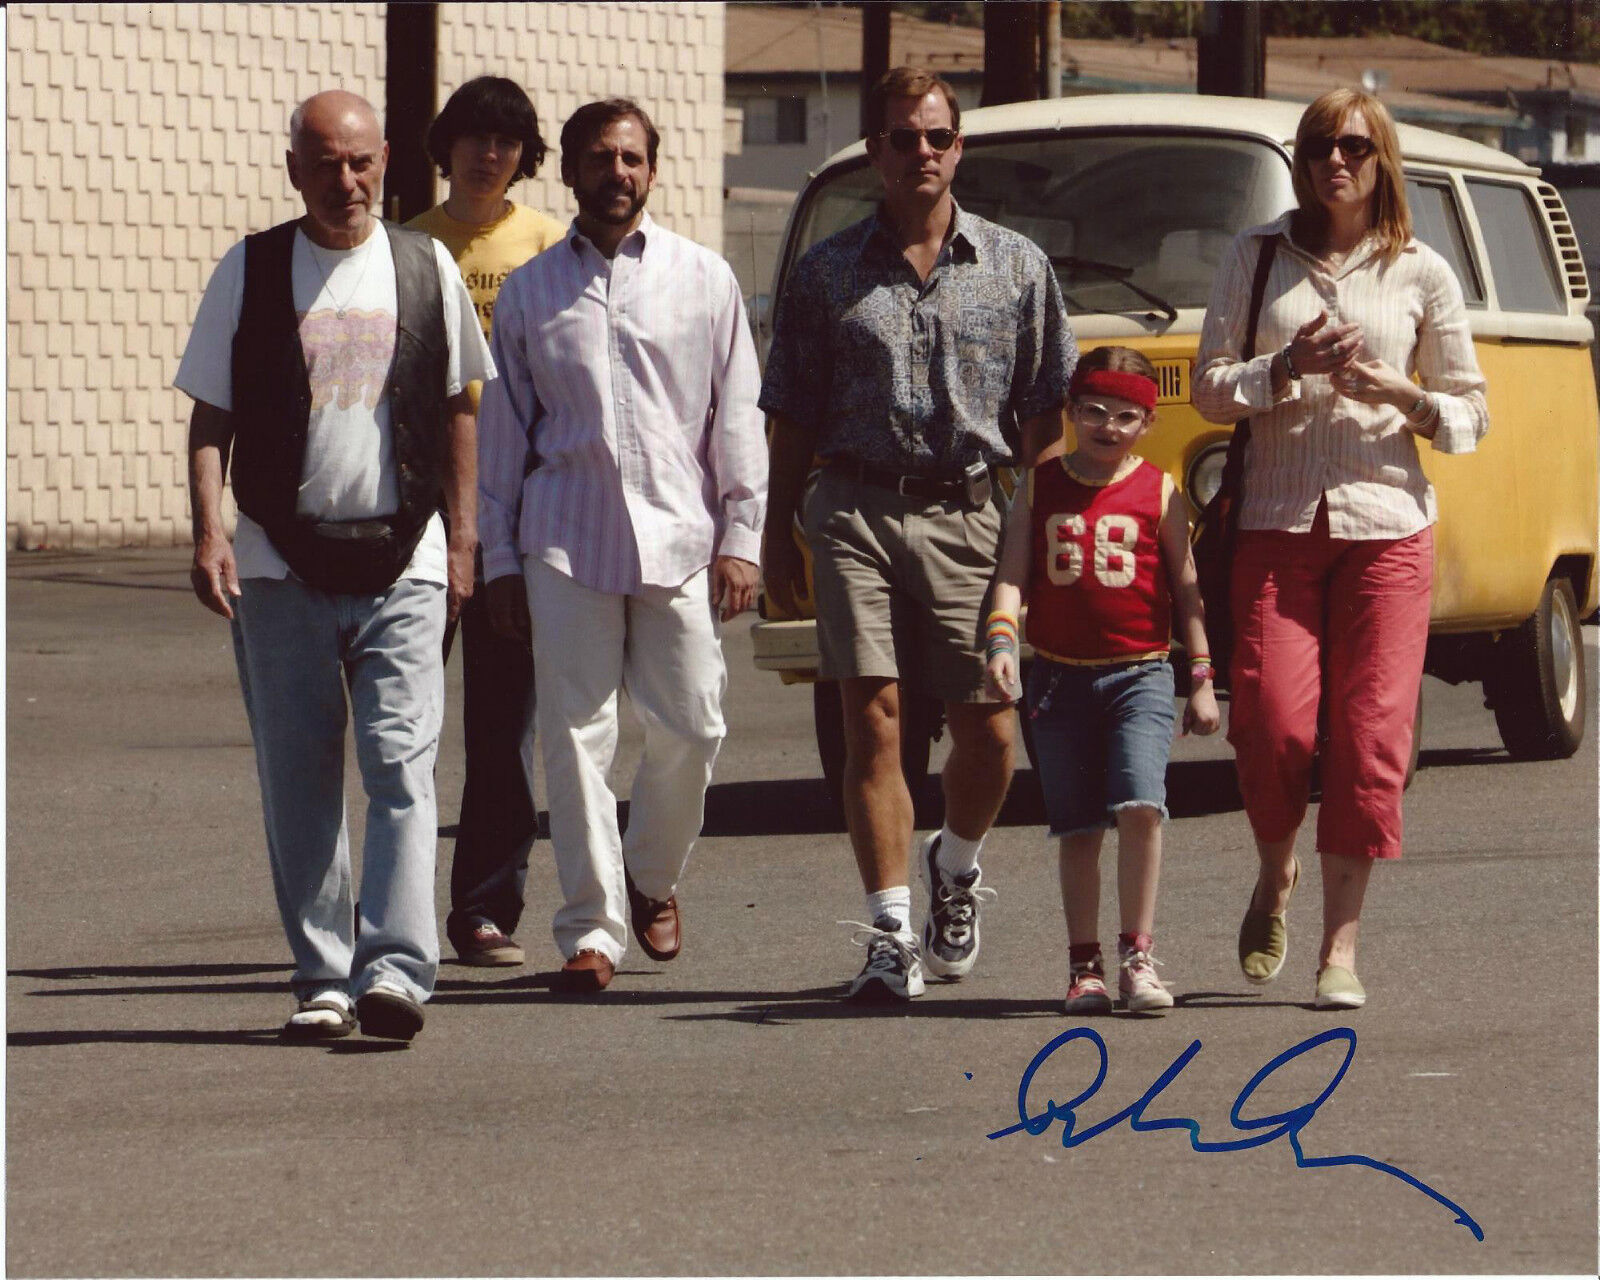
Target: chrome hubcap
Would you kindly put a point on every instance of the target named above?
(1564, 661)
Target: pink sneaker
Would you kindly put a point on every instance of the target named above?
(1088, 993)
(1137, 983)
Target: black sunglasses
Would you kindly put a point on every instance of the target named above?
(905, 139)
(1352, 146)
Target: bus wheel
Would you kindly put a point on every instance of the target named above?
(920, 721)
(1537, 684)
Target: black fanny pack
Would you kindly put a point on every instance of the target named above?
(355, 557)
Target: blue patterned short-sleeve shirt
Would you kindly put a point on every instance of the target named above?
(920, 376)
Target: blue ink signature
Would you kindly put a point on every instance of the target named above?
(1272, 1127)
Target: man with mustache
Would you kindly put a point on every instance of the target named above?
(331, 356)
(622, 477)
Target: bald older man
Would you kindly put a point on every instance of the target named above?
(330, 355)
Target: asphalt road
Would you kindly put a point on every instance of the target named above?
(727, 1113)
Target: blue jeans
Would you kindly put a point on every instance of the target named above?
(298, 649)
(1102, 735)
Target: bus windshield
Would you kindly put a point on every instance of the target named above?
(1135, 223)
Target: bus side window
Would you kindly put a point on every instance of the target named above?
(1436, 221)
(1519, 254)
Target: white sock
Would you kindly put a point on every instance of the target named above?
(955, 855)
(894, 902)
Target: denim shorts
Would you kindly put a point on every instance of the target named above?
(1102, 736)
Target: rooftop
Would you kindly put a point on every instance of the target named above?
(1418, 79)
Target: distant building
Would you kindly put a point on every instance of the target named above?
(144, 139)
(778, 58)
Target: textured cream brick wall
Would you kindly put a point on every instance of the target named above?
(668, 57)
(144, 139)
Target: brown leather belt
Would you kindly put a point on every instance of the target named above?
(353, 530)
(907, 486)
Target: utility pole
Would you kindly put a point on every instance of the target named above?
(1010, 52)
(1050, 49)
(874, 50)
(411, 86)
(1232, 49)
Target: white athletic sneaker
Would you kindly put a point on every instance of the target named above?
(950, 935)
(893, 970)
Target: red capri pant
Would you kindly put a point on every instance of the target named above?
(1354, 614)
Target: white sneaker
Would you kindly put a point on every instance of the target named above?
(950, 936)
(893, 970)
(1137, 984)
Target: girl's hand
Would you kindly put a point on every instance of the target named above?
(1200, 714)
(1003, 677)
(1375, 382)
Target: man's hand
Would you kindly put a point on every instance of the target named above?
(459, 573)
(733, 585)
(783, 572)
(214, 576)
(506, 599)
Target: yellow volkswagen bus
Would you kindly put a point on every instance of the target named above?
(1135, 198)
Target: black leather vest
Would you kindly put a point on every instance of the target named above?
(272, 407)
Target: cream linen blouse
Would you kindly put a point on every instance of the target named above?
(1311, 441)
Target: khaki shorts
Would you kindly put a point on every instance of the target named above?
(902, 585)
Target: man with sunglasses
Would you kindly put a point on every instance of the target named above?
(914, 352)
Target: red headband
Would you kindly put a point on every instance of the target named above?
(1125, 386)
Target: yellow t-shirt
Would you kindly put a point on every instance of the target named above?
(488, 253)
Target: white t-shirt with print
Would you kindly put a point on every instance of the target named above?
(348, 311)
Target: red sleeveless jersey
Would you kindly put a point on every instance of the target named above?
(1097, 583)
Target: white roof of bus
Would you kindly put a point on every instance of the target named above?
(1264, 117)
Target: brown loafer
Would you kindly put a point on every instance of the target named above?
(587, 972)
(655, 924)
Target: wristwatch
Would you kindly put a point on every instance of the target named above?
(1288, 363)
(1200, 672)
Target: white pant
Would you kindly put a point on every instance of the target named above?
(663, 646)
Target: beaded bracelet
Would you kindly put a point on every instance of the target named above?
(1000, 634)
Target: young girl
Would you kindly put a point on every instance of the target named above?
(1099, 543)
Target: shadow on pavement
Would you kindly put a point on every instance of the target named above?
(757, 1008)
(45, 1039)
(87, 580)
(175, 989)
(802, 806)
(1234, 1000)
(1454, 757)
(78, 973)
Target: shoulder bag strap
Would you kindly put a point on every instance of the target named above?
(1233, 469)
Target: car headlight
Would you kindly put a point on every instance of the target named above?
(1204, 476)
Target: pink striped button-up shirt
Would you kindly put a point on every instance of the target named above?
(630, 386)
(1311, 441)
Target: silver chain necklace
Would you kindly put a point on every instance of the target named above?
(327, 284)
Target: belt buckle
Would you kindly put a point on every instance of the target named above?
(900, 486)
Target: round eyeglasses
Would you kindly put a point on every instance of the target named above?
(1097, 415)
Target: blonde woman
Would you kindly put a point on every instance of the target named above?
(1332, 575)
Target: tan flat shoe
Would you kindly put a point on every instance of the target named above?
(1264, 938)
